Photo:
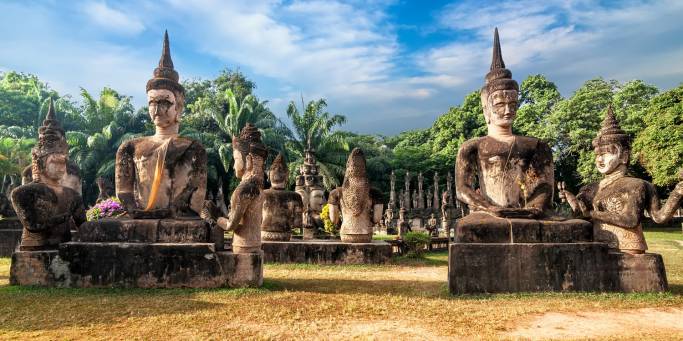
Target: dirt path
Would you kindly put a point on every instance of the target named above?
(601, 324)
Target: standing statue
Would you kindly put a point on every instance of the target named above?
(420, 192)
(514, 173)
(246, 202)
(617, 203)
(47, 209)
(282, 209)
(163, 175)
(435, 198)
(415, 199)
(355, 202)
(392, 193)
(432, 226)
(406, 194)
(429, 201)
(403, 224)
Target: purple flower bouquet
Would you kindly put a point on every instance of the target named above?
(109, 208)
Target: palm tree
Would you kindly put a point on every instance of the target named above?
(108, 122)
(314, 129)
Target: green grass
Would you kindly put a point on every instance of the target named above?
(406, 298)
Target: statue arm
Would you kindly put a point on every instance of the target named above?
(78, 211)
(125, 176)
(665, 213)
(541, 194)
(465, 174)
(198, 176)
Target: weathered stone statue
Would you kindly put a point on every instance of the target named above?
(403, 223)
(429, 200)
(406, 194)
(71, 179)
(617, 203)
(246, 203)
(282, 209)
(514, 173)
(435, 198)
(356, 204)
(309, 186)
(392, 192)
(415, 199)
(432, 225)
(47, 209)
(420, 191)
(163, 175)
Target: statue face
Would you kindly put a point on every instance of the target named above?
(317, 199)
(501, 108)
(277, 178)
(162, 107)
(55, 167)
(609, 158)
(238, 164)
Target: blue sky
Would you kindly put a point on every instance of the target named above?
(389, 66)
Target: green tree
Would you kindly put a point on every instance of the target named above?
(314, 127)
(659, 146)
(538, 96)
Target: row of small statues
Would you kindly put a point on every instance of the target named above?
(500, 177)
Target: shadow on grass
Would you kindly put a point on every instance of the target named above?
(26, 308)
(434, 289)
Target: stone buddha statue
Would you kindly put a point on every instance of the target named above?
(616, 204)
(163, 175)
(246, 202)
(514, 173)
(355, 201)
(282, 209)
(47, 209)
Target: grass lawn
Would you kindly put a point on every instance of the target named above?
(406, 299)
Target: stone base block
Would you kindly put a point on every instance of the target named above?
(140, 265)
(150, 231)
(483, 228)
(638, 273)
(10, 236)
(528, 267)
(326, 252)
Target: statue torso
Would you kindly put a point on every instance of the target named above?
(510, 172)
(279, 209)
(248, 235)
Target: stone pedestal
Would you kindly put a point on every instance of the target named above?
(10, 235)
(140, 253)
(492, 255)
(326, 252)
(136, 265)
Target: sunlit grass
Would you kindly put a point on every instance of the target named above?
(406, 298)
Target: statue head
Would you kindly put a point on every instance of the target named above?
(165, 96)
(317, 199)
(50, 155)
(248, 152)
(499, 95)
(278, 173)
(612, 146)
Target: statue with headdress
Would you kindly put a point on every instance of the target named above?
(282, 209)
(47, 209)
(503, 175)
(246, 203)
(616, 204)
(164, 175)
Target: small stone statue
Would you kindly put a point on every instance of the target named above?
(163, 175)
(282, 209)
(617, 203)
(403, 223)
(432, 225)
(435, 198)
(420, 191)
(246, 202)
(356, 204)
(514, 173)
(47, 209)
(415, 199)
(406, 194)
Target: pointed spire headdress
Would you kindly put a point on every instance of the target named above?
(498, 77)
(51, 140)
(165, 76)
(611, 132)
(279, 164)
(249, 141)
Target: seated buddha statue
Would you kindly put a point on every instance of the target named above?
(617, 203)
(47, 209)
(282, 209)
(507, 180)
(164, 175)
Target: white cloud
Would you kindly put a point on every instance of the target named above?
(112, 19)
